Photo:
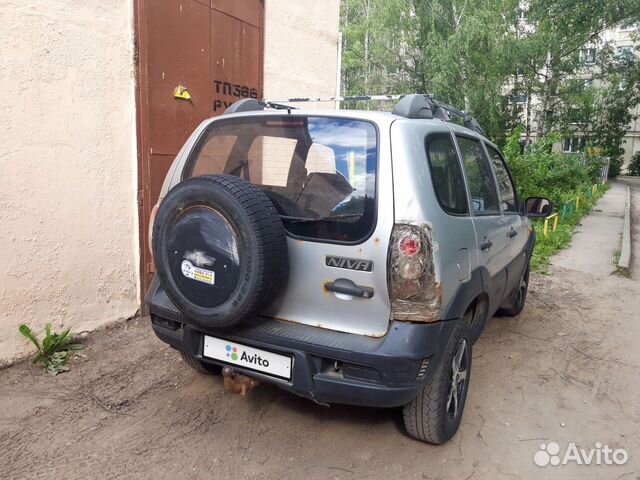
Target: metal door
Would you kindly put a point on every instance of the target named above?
(517, 225)
(193, 58)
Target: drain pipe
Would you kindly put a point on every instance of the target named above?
(339, 71)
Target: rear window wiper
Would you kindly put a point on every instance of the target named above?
(328, 218)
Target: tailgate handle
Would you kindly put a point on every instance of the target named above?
(347, 287)
(486, 245)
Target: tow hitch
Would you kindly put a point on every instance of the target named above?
(235, 382)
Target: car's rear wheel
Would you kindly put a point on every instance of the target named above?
(200, 366)
(434, 415)
(519, 298)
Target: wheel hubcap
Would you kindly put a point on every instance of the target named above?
(522, 288)
(459, 371)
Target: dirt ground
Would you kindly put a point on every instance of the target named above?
(566, 370)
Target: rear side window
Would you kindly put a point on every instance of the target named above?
(484, 195)
(320, 172)
(446, 174)
(505, 185)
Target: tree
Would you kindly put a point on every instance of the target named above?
(453, 49)
(378, 47)
(503, 61)
(619, 99)
(602, 114)
(560, 30)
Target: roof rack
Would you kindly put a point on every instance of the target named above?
(415, 105)
(419, 105)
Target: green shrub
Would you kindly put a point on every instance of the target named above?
(53, 352)
(560, 177)
(540, 172)
(634, 166)
(615, 167)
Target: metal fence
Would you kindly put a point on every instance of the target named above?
(551, 222)
(604, 171)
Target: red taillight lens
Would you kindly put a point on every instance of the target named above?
(413, 287)
(410, 245)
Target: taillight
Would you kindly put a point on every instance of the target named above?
(410, 245)
(414, 291)
(152, 219)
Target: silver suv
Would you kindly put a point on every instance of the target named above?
(346, 256)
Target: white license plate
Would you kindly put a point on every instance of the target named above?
(248, 357)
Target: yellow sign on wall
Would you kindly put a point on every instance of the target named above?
(182, 93)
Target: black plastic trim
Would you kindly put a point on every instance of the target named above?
(466, 294)
(397, 356)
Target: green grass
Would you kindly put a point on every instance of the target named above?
(547, 247)
(54, 350)
(623, 272)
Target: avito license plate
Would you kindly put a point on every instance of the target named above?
(248, 357)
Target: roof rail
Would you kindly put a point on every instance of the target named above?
(245, 105)
(415, 105)
(418, 105)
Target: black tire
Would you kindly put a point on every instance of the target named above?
(429, 417)
(200, 366)
(519, 297)
(220, 249)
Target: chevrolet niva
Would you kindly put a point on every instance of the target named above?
(346, 256)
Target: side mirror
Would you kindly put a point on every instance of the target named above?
(537, 207)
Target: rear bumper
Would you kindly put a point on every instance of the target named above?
(328, 366)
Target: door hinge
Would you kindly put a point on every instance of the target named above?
(136, 54)
(140, 198)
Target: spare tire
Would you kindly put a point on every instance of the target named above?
(220, 249)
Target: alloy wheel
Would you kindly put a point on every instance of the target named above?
(459, 370)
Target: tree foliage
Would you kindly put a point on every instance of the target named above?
(504, 61)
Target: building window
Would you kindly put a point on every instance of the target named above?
(520, 99)
(625, 52)
(629, 27)
(573, 145)
(588, 56)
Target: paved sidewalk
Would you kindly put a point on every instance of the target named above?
(596, 240)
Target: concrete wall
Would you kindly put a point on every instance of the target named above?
(300, 48)
(68, 216)
(68, 211)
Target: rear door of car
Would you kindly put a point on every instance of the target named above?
(518, 226)
(492, 240)
(330, 179)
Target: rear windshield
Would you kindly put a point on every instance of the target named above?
(320, 172)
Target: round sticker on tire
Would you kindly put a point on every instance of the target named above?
(198, 274)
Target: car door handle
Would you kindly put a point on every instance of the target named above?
(512, 233)
(486, 245)
(347, 287)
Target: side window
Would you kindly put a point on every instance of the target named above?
(484, 195)
(507, 191)
(446, 174)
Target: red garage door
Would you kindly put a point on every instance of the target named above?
(207, 50)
